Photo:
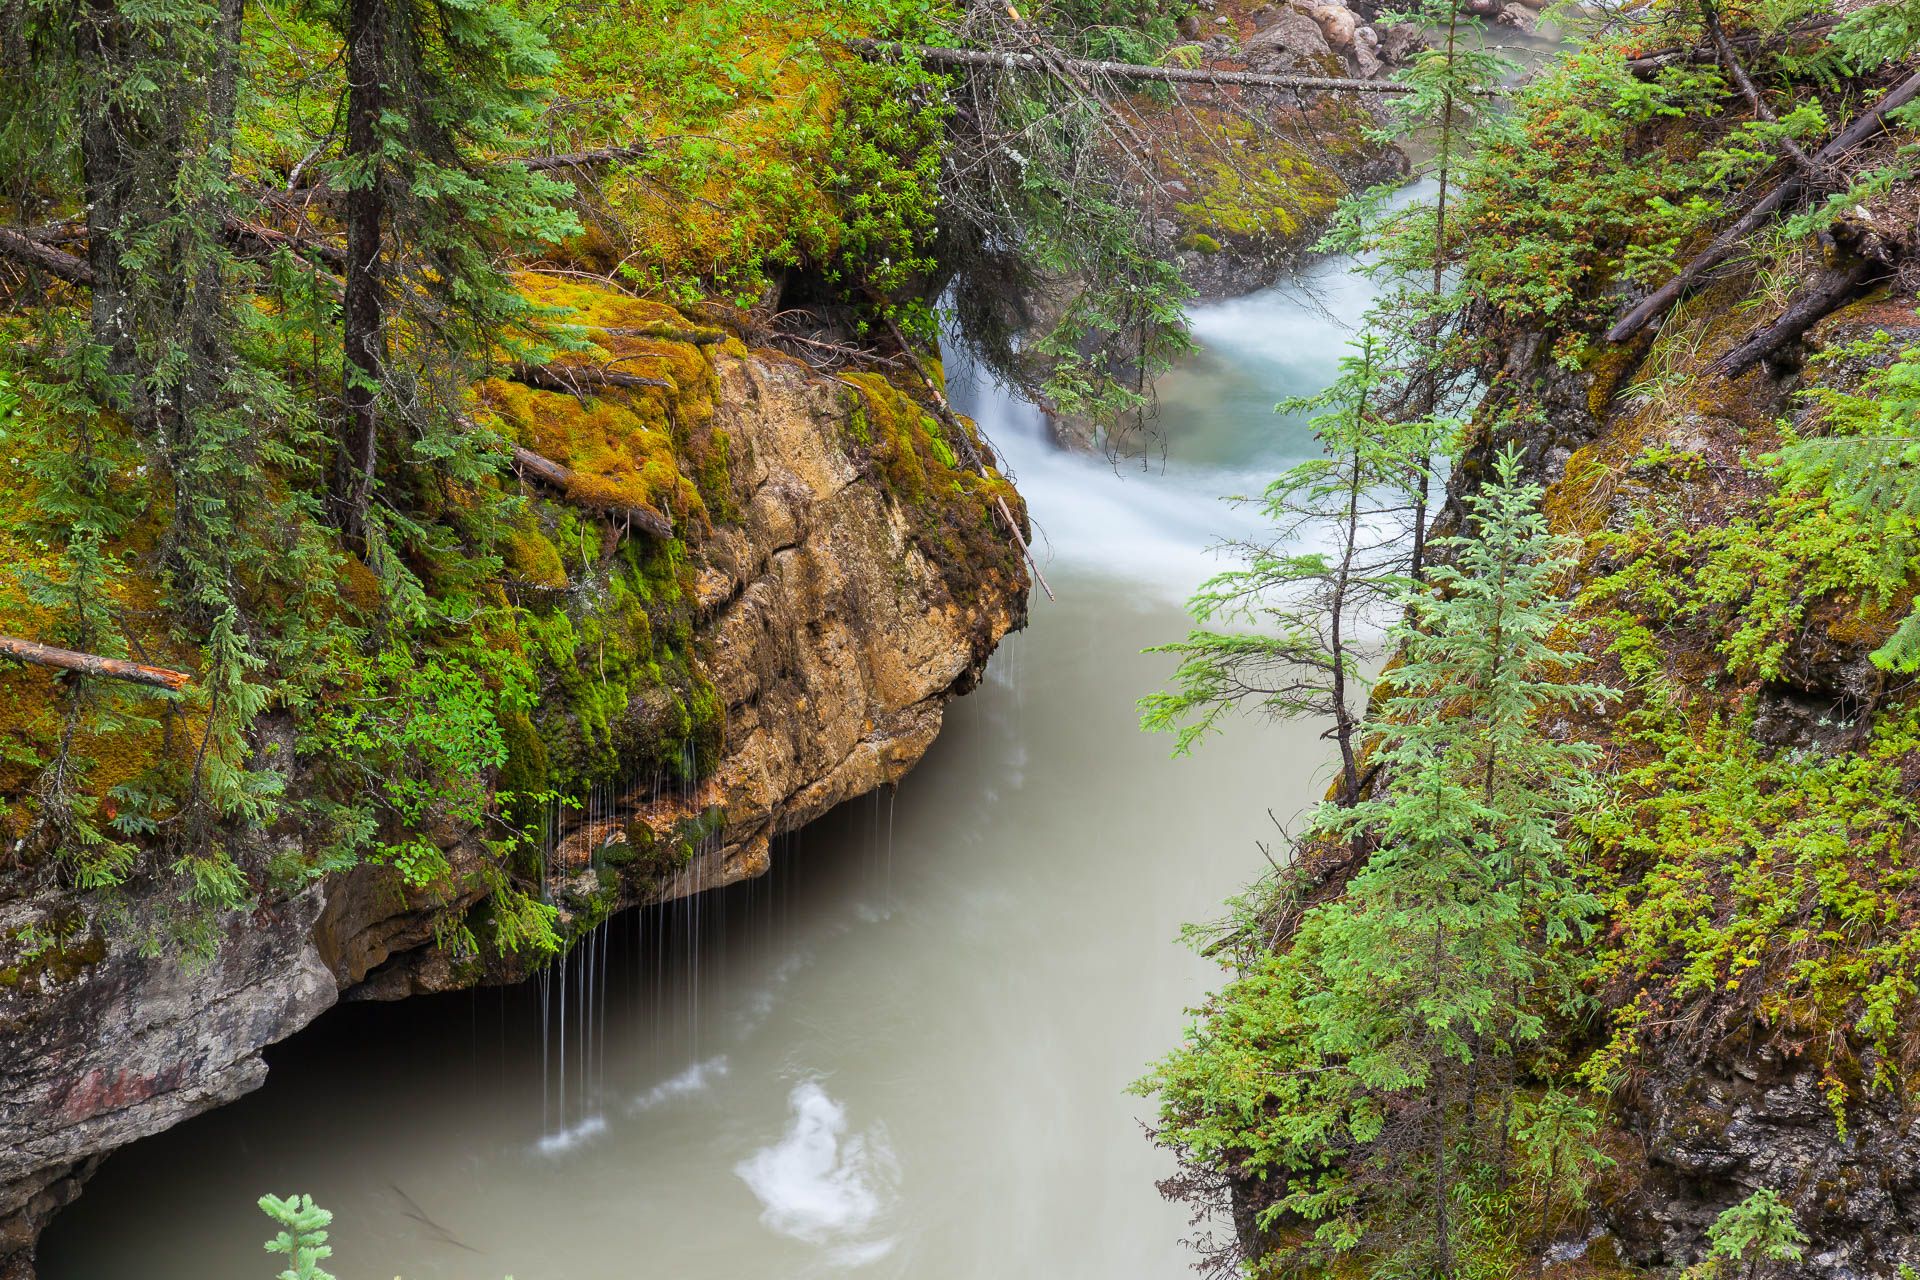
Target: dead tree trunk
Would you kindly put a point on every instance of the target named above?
(1727, 242)
(1859, 256)
(110, 139)
(1136, 72)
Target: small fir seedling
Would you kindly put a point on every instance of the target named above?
(1758, 1229)
(303, 1238)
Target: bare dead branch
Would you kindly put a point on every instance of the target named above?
(1135, 72)
(585, 159)
(1731, 62)
(92, 664)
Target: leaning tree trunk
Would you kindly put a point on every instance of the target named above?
(365, 214)
(109, 154)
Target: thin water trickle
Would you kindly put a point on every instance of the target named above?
(904, 1051)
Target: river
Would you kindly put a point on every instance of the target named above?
(904, 1052)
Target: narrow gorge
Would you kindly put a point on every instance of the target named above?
(939, 640)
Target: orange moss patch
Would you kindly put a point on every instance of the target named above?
(35, 701)
(618, 458)
(653, 447)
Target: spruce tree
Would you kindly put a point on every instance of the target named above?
(1408, 246)
(1355, 1071)
(435, 91)
(302, 1239)
(1319, 614)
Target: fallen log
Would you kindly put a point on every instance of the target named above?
(320, 191)
(1829, 289)
(1861, 257)
(260, 241)
(1136, 72)
(66, 231)
(570, 483)
(92, 664)
(1647, 64)
(577, 379)
(1728, 241)
(253, 241)
(63, 266)
(665, 333)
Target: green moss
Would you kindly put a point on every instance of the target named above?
(955, 520)
(715, 478)
(1271, 190)
(525, 771)
(624, 697)
(642, 855)
(528, 553)
(52, 951)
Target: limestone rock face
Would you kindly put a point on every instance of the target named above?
(1716, 1132)
(835, 643)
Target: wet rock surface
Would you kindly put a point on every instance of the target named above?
(1745, 1118)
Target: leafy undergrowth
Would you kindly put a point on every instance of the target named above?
(775, 147)
(1758, 846)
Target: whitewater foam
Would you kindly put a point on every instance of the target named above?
(821, 1184)
(694, 1079)
(566, 1139)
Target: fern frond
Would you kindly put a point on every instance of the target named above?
(1901, 652)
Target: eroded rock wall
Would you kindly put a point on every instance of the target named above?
(836, 618)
